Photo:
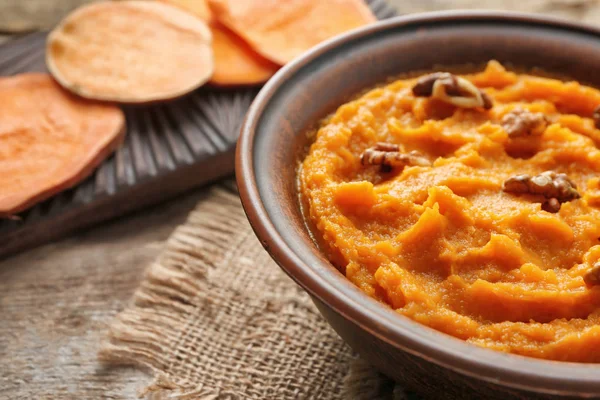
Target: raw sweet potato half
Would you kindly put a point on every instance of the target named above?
(282, 30)
(130, 51)
(235, 61)
(49, 139)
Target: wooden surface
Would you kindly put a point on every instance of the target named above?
(56, 301)
(168, 149)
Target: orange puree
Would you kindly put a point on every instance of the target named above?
(444, 244)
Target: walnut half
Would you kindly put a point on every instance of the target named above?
(388, 155)
(451, 89)
(520, 122)
(557, 188)
(592, 276)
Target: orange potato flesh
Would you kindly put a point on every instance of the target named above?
(445, 245)
(235, 61)
(197, 7)
(282, 30)
(130, 51)
(49, 139)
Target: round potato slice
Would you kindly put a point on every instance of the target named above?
(197, 7)
(282, 30)
(236, 63)
(130, 51)
(49, 139)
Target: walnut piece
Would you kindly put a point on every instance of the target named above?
(452, 89)
(556, 188)
(592, 276)
(424, 85)
(388, 155)
(551, 205)
(596, 117)
(520, 122)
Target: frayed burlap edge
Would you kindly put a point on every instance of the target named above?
(215, 318)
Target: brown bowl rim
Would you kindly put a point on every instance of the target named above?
(519, 372)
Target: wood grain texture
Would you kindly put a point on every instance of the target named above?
(56, 302)
(24, 16)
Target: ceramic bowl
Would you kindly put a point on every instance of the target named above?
(272, 143)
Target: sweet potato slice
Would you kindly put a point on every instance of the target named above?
(235, 61)
(282, 30)
(49, 139)
(198, 7)
(130, 51)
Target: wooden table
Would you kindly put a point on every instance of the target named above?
(57, 301)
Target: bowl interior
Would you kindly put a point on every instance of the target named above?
(273, 138)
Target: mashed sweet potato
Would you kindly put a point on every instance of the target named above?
(444, 244)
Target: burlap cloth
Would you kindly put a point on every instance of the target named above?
(215, 318)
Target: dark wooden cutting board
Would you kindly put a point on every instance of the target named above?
(169, 148)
